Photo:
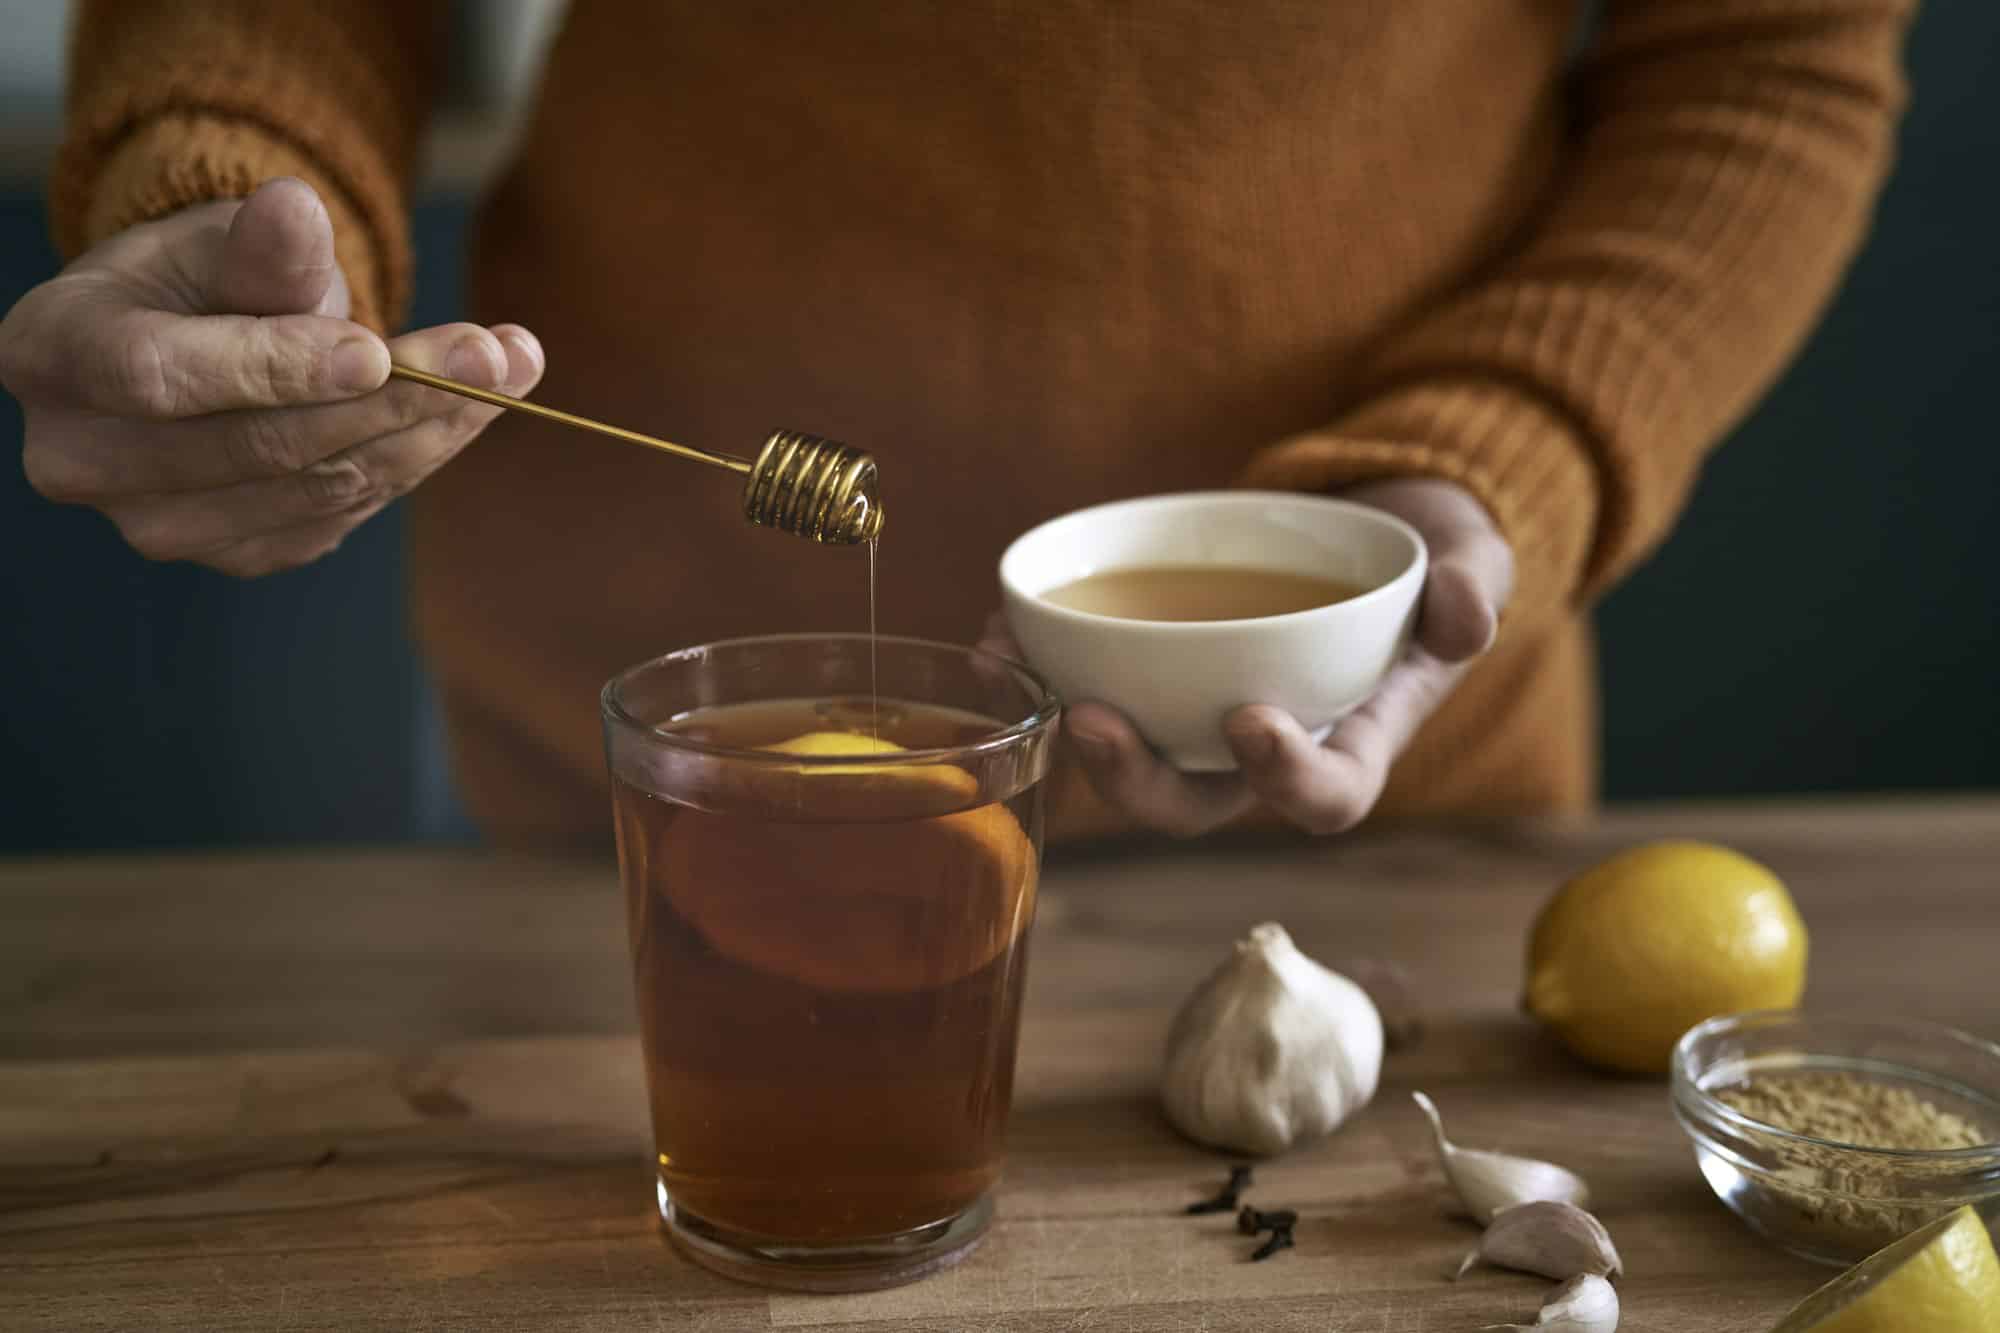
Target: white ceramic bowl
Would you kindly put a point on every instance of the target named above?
(1177, 680)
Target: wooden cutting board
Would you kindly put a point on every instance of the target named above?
(398, 1090)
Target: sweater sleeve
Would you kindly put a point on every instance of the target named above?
(176, 104)
(1725, 162)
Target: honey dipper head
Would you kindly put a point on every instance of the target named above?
(814, 488)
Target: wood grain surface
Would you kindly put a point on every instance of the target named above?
(398, 1090)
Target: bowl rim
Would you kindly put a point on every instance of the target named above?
(1415, 567)
(1688, 1094)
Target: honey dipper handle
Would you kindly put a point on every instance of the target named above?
(424, 377)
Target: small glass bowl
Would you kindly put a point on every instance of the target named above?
(1836, 1203)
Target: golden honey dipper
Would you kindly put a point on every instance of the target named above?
(811, 487)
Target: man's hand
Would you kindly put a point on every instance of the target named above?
(197, 380)
(1329, 787)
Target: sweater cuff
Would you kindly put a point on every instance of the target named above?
(178, 159)
(1521, 459)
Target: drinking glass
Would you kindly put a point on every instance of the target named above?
(830, 846)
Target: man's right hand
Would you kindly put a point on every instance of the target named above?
(198, 381)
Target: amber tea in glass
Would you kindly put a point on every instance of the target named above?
(829, 894)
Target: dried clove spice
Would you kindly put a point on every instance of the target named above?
(1281, 1239)
(1278, 1221)
(1251, 1221)
(1226, 1201)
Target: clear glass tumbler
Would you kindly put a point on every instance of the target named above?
(830, 846)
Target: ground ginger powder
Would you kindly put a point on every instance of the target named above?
(1866, 1112)
(1891, 1196)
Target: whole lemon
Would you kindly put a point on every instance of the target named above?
(1633, 952)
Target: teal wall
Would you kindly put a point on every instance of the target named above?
(1826, 617)
(150, 705)
(1827, 614)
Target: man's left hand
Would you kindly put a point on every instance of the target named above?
(1331, 786)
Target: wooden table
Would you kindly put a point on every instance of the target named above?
(399, 1089)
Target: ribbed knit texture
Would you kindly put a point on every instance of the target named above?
(1722, 177)
(172, 104)
(1037, 256)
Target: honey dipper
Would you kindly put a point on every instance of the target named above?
(811, 487)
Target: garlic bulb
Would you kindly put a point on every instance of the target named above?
(1556, 1240)
(1490, 1181)
(1584, 1304)
(1271, 1049)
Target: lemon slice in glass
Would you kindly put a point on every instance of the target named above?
(834, 743)
(887, 880)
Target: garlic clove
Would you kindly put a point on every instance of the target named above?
(1490, 1181)
(1556, 1240)
(1584, 1304)
(1270, 1050)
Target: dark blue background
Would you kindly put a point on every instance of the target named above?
(1826, 618)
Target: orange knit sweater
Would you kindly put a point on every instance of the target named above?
(1037, 255)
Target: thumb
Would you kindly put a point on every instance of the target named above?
(278, 257)
(1472, 572)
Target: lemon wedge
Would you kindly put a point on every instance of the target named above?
(1941, 1278)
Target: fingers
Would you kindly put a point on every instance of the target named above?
(1330, 787)
(400, 421)
(190, 525)
(1471, 566)
(996, 638)
(277, 258)
(1460, 617)
(189, 377)
(275, 553)
(1131, 778)
(1470, 579)
(157, 366)
(508, 358)
(426, 429)
(1320, 790)
(91, 460)
(525, 359)
(81, 341)
(214, 309)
